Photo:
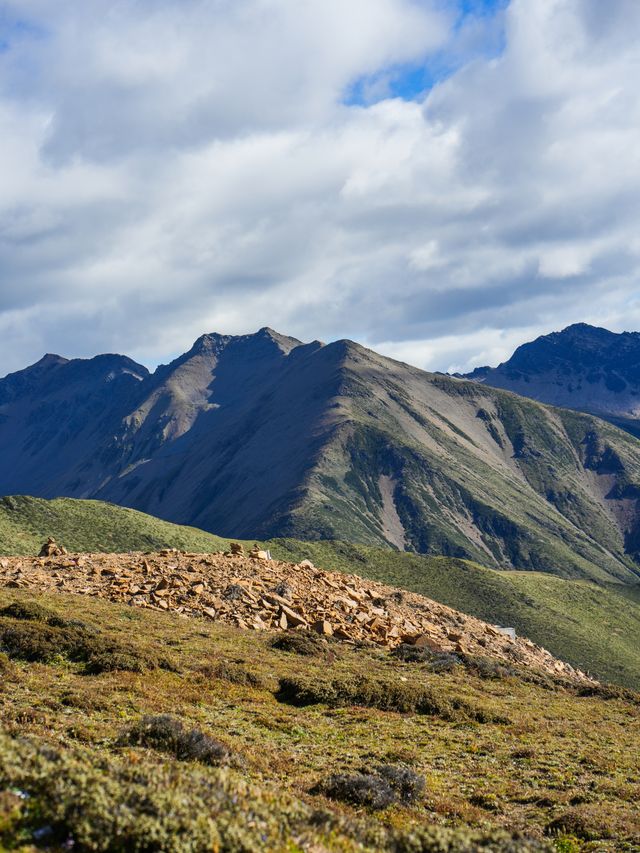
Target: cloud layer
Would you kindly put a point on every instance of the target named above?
(170, 168)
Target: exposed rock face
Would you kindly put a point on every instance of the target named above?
(263, 436)
(246, 592)
(583, 367)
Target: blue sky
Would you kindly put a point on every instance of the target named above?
(441, 181)
(414, 80)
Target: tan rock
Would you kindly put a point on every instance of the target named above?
(424, 641)
(293, 618)
(322, 626)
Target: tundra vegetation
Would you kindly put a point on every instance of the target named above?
(220, 741)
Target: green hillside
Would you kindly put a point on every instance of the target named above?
(25, 522)
(593, 627)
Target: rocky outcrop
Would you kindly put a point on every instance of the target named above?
(259, 594)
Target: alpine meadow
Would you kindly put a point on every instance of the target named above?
(319, 426)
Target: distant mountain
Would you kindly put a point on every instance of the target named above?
(262, 436)
(582, 367)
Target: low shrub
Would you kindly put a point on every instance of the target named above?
(300, 643)
(435, 661)
(118, 659)
(489, 669)
(5, 663)
(358, 789)
(29, 611)
(235, 673)
(408, 785)
(30, 642)
(81, 799)
(492, 669)
(487, 801)
(403, 697)
(440, 839)
(608, 692)
(377, 789)
(584, 823)
(30, 633)
(167, 734)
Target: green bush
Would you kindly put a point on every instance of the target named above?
(586, 823)
(610, 691)
(31, 612)
(233, 672)
(403, 697)
(300, 643)
(30, 633)
(167, 734)
(430, 839)
(83, 800)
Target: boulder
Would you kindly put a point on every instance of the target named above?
(256, 554)
(424, 641)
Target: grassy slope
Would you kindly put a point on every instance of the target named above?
(596, 628)
(557, 759)
(92, 526)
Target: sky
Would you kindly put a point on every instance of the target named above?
(440, 180)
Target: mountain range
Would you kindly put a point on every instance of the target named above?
(582, 367)
(263, 436)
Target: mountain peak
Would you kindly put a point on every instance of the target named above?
(214, 343)
(284, 342)
(50, 358)
(583, 367)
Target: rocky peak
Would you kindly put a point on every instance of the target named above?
(582, 367)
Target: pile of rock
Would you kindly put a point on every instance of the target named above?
(258, 593)
(52, 549)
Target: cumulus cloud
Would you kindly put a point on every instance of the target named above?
(170, 168)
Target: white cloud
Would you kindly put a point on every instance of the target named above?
(172, 168)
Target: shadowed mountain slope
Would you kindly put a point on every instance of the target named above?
(261, 435)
